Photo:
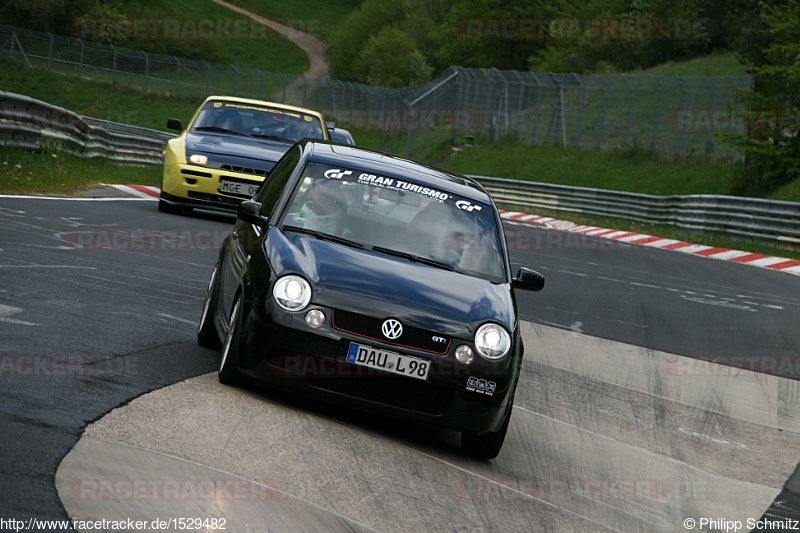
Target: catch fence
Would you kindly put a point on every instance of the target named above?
(672, 115)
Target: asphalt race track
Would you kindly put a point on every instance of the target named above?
(658, 388)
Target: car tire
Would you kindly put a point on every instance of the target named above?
(228, 372)
(487, 445)
(206, 330)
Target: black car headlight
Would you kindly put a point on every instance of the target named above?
(292, 293)
(492, 341)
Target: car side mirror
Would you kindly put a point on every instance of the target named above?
(174, 124)
(528, 280)
(250, 211)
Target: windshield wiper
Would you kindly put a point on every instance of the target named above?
(324, 236)
(216, 129)
(272, 137)
(412, 257)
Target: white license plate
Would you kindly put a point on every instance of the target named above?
(396, 363)
(239, 189)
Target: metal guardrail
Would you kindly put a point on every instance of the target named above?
(31, 123)
(765, 220)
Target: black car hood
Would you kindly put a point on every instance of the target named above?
(380, 285)
(236, 146)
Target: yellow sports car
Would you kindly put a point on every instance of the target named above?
(228, 149)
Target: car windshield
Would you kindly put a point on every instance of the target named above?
(397, 217)
(257, 121)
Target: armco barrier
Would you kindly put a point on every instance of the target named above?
(31, 123)
(766, 220)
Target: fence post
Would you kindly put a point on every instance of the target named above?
(80, 64)
(208, 77)
(602, 111)
(630, 110)
(50, 53)
(581, 111)
(537, 113)
(177, 76)
(710, 141)
(305, 88)
(682, 133)
(146, 69)
(520, 100)
(457, 110)
(114, 65)
(260, 82)
(654, 142)
(408, 128)
(235, 81)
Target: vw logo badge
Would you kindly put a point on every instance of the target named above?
(391, 328)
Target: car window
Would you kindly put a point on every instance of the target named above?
(271, 190)
(398, 215)
(254, 120)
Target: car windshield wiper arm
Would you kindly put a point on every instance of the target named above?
(273, 137)
(216, 129)
(412, 257)
(324, 236)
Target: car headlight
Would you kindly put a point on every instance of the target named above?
(198, 159)
(292, 293)
(492, 341)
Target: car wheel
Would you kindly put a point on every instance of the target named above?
(165, 207)
(206, 331)
(228, 372)
(487, 445)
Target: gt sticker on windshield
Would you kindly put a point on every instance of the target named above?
(399, 185)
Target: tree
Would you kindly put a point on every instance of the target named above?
(391, 60)
(772, 107)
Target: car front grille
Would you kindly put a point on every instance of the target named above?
(369, 327)
(243, 170)
(402, 392)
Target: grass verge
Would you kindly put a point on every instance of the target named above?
(51, 171)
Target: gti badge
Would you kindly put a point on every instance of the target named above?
(391, 328)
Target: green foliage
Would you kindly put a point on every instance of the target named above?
(347, 43)
(391, 60)
(595, 36)
(43, 15)
(770, 110)
(105, 18)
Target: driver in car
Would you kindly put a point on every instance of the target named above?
(324, 211)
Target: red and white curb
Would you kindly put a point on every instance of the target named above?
(140, 191)
(781, 264)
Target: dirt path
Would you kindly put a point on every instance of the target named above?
(311, 45)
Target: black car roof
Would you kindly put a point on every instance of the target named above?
(393, 166)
